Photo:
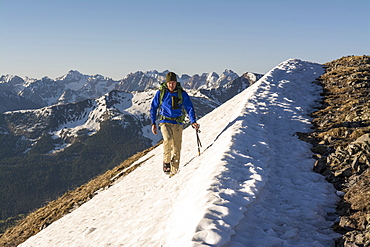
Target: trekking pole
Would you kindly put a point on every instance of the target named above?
(198, 141)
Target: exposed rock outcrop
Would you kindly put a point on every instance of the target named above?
(341, 141)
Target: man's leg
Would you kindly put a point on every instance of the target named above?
(176, 148)
(167, 143)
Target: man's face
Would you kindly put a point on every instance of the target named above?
(171, 85)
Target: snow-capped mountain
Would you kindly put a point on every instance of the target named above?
(76, 103)
(65, 122)
(229, 87)
(70, 88)
(143, 80)
(140, 80)
(11, 83)
(75, 86)
(83, 86)
(211, 80)
(9, 101)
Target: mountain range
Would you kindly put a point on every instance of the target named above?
(58, 134)
(28, 93)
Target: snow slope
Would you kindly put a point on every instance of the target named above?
(251, 186)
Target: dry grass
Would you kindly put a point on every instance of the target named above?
(359, 195)
(71, 200)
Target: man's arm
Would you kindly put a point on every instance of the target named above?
(189, 108)
(153, 112)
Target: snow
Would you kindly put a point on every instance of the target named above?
(89, 121)
(76, 85)
(251, 186)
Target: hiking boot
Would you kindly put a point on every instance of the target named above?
(167, 168)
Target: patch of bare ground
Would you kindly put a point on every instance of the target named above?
(341, 141)
(41, 218)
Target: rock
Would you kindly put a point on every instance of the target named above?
(320, 149)
(346, 172)
(341, 141)
(319, 166)
(354, 164)
(364, 138)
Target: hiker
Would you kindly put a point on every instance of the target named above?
(171, 100)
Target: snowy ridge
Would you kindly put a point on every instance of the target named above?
(227, 191)
(251, 186)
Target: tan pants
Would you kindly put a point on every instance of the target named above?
(172, 138)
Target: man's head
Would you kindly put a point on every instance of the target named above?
(171, 81)
(171, 77)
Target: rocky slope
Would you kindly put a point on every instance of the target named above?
(341, 142)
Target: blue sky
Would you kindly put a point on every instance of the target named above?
(113, 38)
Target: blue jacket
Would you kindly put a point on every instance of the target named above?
(166, 109)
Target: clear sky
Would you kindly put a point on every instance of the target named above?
(115, 37)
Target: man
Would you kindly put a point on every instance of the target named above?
(171, 101)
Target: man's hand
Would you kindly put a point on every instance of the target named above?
(154, 129)
(195, 126)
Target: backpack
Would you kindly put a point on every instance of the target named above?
(162, 89)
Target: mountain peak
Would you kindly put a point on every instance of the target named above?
(11, 79)
(72, 71)
(72, 75)
(228, 72)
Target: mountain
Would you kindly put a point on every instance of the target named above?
(228, 87)
(11, 83)
(143, 80)
(140, 81)
(66, 122)
(9, 98)
(252, 185)
(11, 102)
(75, 86)
(83, 86)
